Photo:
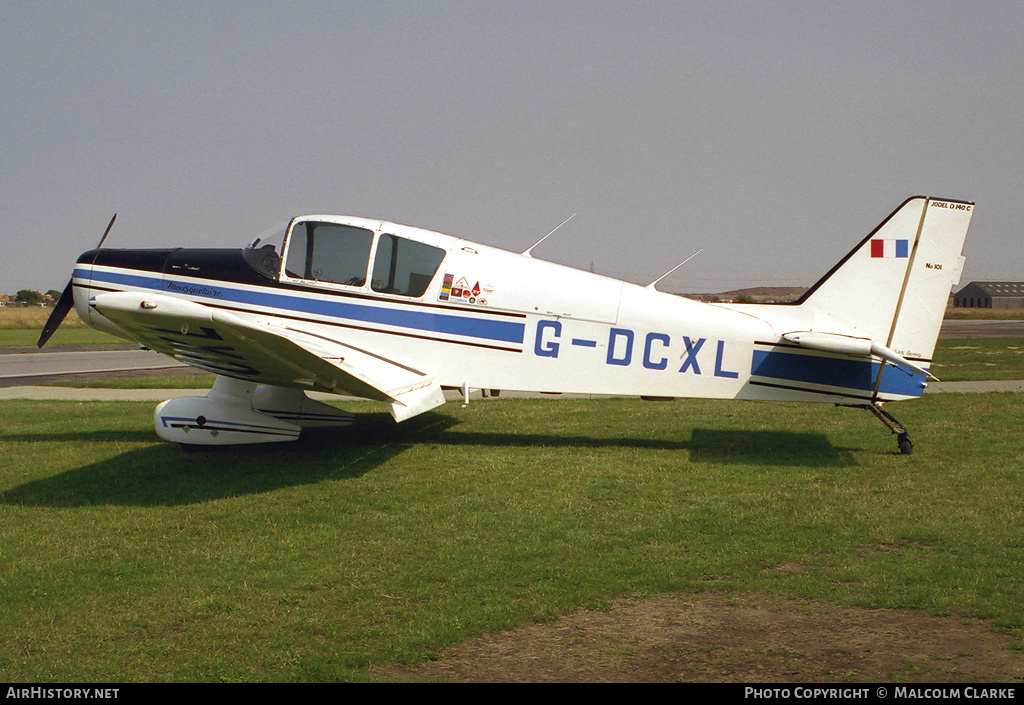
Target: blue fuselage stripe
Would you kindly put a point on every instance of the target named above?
(434, 322)
(835, 372)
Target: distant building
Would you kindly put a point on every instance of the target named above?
(990, 295)
(756, 295)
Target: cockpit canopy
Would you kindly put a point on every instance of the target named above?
(323, 252)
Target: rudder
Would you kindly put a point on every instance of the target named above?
(935, 268)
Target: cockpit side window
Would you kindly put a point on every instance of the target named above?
(327, 252)
(404, 267)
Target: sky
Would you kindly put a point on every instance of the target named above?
(771, 135)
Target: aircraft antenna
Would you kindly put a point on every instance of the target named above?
(651, 285)
(528, 249)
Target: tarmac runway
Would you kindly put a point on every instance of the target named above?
(981, 329)
(32, 366)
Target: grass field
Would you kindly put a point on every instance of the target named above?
(20, 326)
(125, 559)
(982, 314)
(973, 359)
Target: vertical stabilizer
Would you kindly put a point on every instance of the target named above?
(893, 288)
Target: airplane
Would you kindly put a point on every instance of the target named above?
(377, 310)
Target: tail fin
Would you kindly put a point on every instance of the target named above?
(893, 288)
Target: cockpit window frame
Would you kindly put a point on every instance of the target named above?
(333, 270)
(401, 278)
(410, 284)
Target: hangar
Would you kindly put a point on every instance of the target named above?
(990, 295)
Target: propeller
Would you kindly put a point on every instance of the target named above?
(66, 300)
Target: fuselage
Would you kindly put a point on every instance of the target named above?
(474, 316)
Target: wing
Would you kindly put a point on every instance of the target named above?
(268, 353)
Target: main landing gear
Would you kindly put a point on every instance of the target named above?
(902, 437)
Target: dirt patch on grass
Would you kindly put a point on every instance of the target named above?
(732, 639)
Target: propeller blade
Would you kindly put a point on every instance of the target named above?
(66, 300)
(64, 304)
(107, 231)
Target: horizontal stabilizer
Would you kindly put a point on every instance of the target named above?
(898, 360)
(849, 345)
(830, 342)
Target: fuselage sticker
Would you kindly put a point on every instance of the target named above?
(464, 290)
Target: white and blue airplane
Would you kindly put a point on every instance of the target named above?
(376, 310)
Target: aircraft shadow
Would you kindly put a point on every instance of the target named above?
(164, 475)
(712, 445)
(704, 446)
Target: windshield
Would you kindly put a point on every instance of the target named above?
(262, 255)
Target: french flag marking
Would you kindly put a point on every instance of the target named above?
(890, 248)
